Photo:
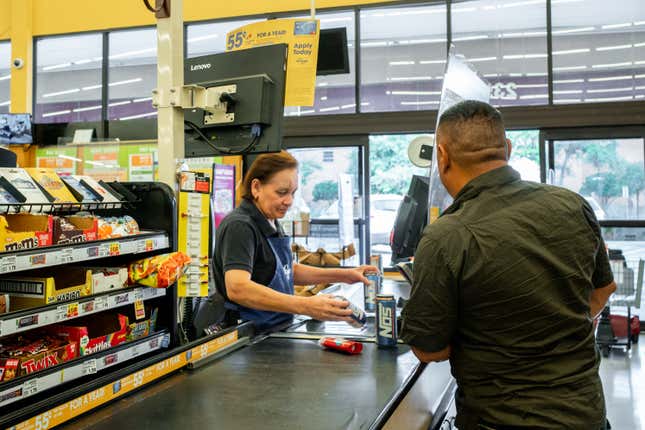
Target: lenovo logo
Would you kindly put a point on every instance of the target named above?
(200, 66)
(385, 320)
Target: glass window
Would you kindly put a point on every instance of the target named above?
(334, 93)
(505, 40)
(318, 193)
(132, 74)
(609, 173)
(403, 57)
(206, 39)
(598, 55)
(525, 155)
(5, 76)
(390, 175)
(68, 78)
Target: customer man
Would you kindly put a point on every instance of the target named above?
(506, 285)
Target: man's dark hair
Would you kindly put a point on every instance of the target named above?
(473, 132)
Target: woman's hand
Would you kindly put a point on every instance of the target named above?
(324, 307)
(357, 274)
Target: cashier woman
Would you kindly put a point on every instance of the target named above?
(253, 265)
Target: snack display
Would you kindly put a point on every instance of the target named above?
(49, 180)
(25, 354)
(94, 333)
(159, 271)
(113, 227)
(81, 227)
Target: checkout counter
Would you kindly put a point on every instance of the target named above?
(285, 380)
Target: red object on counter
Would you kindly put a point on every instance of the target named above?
(342, 345)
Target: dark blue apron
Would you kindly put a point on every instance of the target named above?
(282, 282)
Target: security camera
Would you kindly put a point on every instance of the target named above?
(18, 63)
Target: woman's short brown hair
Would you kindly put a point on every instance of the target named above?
(265, 167)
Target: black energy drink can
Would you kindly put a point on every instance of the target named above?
(386, 336)
(359, 319)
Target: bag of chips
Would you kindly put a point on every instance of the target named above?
(159, 271)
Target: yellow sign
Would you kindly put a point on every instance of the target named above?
(302, 37)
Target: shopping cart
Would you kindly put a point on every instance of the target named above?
(617, 329)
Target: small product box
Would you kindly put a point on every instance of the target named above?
(46, 286)
(20, 181)
(108, 278)
(49, 180)
(34, 353)
(25, 231)
(75, 229)
(139, 329)
(94, 333)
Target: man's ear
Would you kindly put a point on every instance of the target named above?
(509, 149)
(443, 158)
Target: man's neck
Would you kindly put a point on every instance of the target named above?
(468, 174)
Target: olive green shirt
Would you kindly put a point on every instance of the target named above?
(504, 277)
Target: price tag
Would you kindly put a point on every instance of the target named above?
(72, 310)
(38, 259)
(8, 264)
(100, 303)
(115, 249)
(66, 255)
(93, 252)
(139, 310)
(89, 367)
(150, 245)
(30, 387)
(138, 294)
(1, 327)
(141, 246)
(104, 251)
(88, 307)
(61, 313)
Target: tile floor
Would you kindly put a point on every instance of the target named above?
(623, 379)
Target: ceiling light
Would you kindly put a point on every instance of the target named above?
(323, 98)
(92, 87)
(142, 115)
(306, 112)
(5, 77)
(537, 74)
(524, 33)
(568, 81)
(94, 163)
(531, 85)
(608, 26)
(420, 41)
(373, 44)
(611, 78)
(365, 103)
(7, 103)
(430, 102)
(432, 62)
(349, 106)
(481, 59)
(568, 92)
(329, 109)
(60, 93)
(568, 101)
(572, 51)
(145, 99)
(609, 65)
(83, 109)
(534, 96)
(491, 75)
(127, 102)
(523, 56)
(322, 84)
(640, 87)
(614, 47)
(610, 90)
(465, 38)
(60, 112)
(57, 66)
(569, 68)
(401, 63)
(127, 81)
(610, 99)
(573, 30)
(85, 61)
(524, 3)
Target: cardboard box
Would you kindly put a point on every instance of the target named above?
(86, 229)
(139, 329)
(49, 180)
(43, 287)
(49, 352)
(25, 231)
(94, 333)
(108, 279)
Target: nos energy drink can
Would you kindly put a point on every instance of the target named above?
(359, 319)
(370, 290)
(385, 321)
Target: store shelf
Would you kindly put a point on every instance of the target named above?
(58, 312)
(35, 258)
(20, 389)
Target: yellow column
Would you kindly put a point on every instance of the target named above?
(21, 49)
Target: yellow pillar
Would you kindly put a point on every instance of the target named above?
(21, 48)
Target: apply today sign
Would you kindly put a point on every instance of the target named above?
(301, 35)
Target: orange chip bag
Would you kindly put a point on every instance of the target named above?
(159, 271)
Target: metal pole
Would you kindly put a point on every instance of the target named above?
(170, 75)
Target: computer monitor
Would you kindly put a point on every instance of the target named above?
(411, 218)
(253, 85)
(332, 52)
(15, 128)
